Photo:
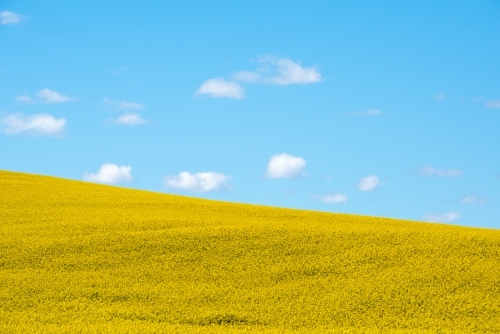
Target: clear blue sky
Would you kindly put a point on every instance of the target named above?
(387, 108)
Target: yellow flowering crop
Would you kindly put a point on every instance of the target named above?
(78, 257)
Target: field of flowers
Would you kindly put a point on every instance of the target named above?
(78, 257)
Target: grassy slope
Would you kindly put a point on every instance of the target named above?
(77, 256)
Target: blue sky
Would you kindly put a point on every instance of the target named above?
(376, 108)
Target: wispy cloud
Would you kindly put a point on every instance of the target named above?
(279, 71)
(331, 198)
(493, 104)
(270, 70)
(221, 88)
(441, 217)
(285, 166)
(10, 18)
(369, 112)
(131, 119)
(473, 200)
(129, 105)
(128, 118)
(51, 96)
(440, 96)
(39, 124)
(24, 99)
(428, 170)
(369, 183)
(46, 96)
(199, 182)
(124, 105)
(247, 76)
(110, 173)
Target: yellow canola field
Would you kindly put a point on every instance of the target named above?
(78, 257)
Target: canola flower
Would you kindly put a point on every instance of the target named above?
(78, 257)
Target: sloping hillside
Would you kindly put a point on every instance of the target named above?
(82, 257)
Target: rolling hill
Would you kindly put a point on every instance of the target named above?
(78, 257)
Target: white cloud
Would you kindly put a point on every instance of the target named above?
(10, 18)
(131, 119)
(129, 105)
(279, 71)
(373, 112)
(493, 104)
(271, 70)
(198, 182)
(124, 105)
(473, 200)
(46, 96)
(220, 88)
(39, 124)
(440, 96)
(247, 76)
(441, 217)
(369, 183)
(369, 112)
(292, 73)
(24, 99)
(285, 166)
(51, 96)
(428, 170)
(110, 173)
(332, 198)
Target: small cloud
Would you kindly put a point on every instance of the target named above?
(123, 105)
(373, 112)
(110, 173)
(24, 99)
(39, 124)
(331, 198)
(369, 112)
(271, 70)
(279, 71)
(494, 104)
(428, 170)
(369, 183)
(220, 88)
(129, 105)
(473, 200)
(131, 119)
(51, 96)
(285, 166)
(477, 99)
(198, 182)
(10, 18)
(289, 72)
(46, 96)
(440, 96)
(441, 217)
(247, 76)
